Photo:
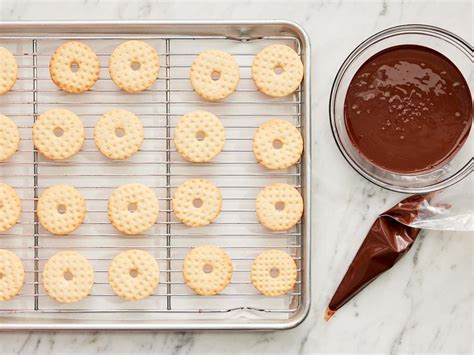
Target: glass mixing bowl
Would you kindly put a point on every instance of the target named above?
(453, 47)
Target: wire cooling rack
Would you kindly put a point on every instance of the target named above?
(159, 166)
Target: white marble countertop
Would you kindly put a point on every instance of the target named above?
(424, 305)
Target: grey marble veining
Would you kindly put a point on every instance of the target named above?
(425, 304)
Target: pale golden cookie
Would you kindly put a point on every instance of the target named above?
(277, 144)
(74, 67)
(133, 208)
(9, 70)
(214, 75)
(118, 134)
(9, 138)
(58, 134)
(134, 66)
(273, 273)
(197, 202)
(199, 136)
(207, 270)
(68, 277)
(12, 275)
(134, 274)
(10, 207)
(277, 70)
(61, 209)
(279, 207)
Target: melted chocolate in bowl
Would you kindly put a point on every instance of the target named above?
(408, 109)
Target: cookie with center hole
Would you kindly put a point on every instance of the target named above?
(9, 138)
(214, 75)
(74, 67)
(277, 144)
(9, 71)
(134, 66)
(277, 70)
(199, 136)
(274, 273)
(58, 134)
(134, 274)
(68, 277)
(61, 209)
(12, 275)
(133, 208)
(279, 206)
(197, 202)
(10, 207)
(118, 134)
(207, 270)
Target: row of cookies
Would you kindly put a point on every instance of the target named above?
(133, 275)
(133, 208)
(134, 65)
(199, 137)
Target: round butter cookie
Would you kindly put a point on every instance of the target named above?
(68, 277)
(273, 273)
(134, 274)
(214, 75)
(199, 136)
(9, 138)
(74, 67)
(9, 71)
(10, 207)
(207, 270)
(12, 275)
(134, 66)
(277, 70)
(279, 207)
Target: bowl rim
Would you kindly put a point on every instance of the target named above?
(414, 28)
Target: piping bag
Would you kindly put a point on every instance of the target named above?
(393, 233)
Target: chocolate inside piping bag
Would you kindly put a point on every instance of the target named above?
(387, 241)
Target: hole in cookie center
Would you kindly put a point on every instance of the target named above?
(278, 70)
(133, 273)
(200, 135)
(280, 206)
(61, 209)
(197, 202)
(207, 268)
(132, 207)
(119, 132)
(277, 144)
(135, 66)
(58, 131)
(74, 67)
(215, 75)
(274, 272)
(68, 276)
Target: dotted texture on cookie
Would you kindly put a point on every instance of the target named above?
(199, 136)
(214, 75)
(61, 209)
(66, 59)
(273, 273)
(279, 206)
(134, 66)
(10, 207)
(68, 277)
(12, 275)
(118, 134)
(277, 144)
(58, 134)
(197, 202)
(133, 208)
(134, 274)
(207, 270)
(266, 68)
(8, 70)
(9, 138)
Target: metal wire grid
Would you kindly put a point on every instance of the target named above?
(159, 166)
